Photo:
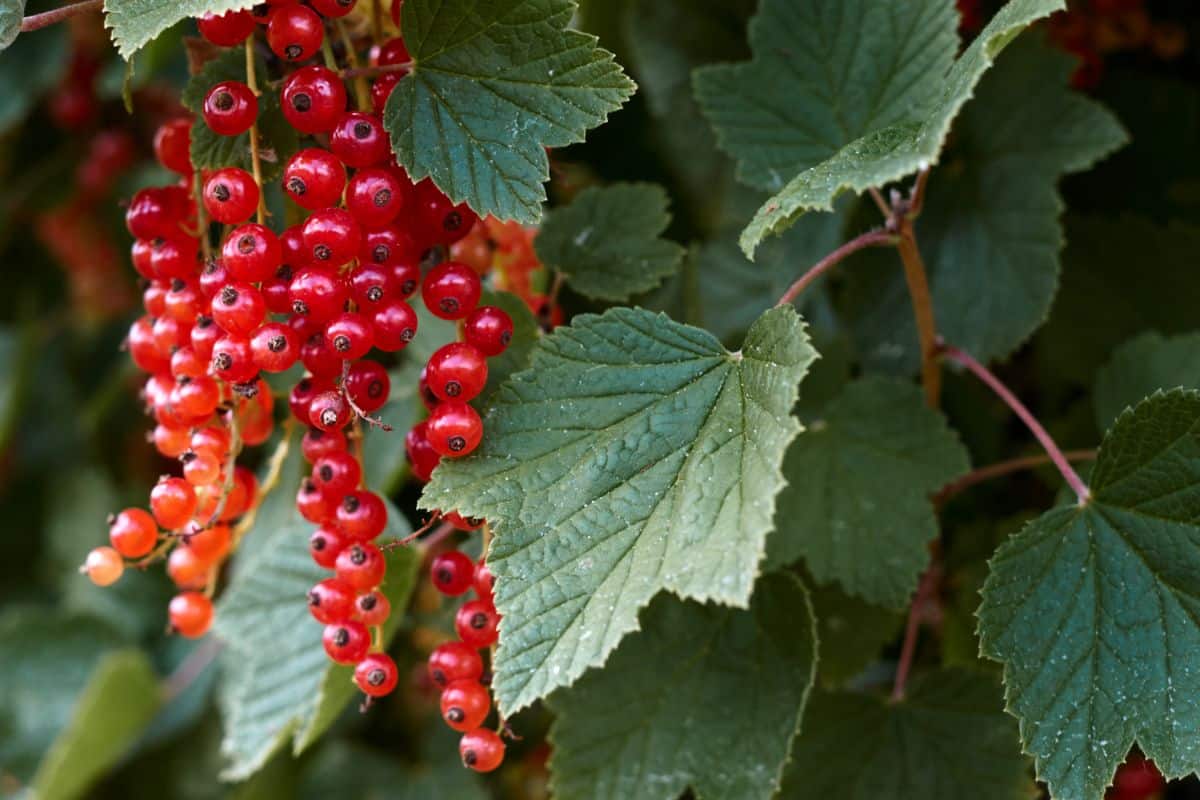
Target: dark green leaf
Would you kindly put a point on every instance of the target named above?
(851, 632)
(11, 14)
(28, 69)
(1141, 367)
(353, 772)
(384, 459)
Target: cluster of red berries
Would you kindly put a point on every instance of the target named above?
(457, 666)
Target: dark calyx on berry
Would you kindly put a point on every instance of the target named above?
(376, 677)
(302, 102)
(457, 443)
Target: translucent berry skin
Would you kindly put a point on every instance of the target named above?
(361, 565)
(452, 573)
(381, 90)
(331, 601)
(172, 145)
(170, 442)
(332, 236)
(490, 329)
(393, 51)
(484, 583)
(350, 335)
(465, 705)
(314, 99)
(337, 474)
(371, 286)
(454, 661)
(421, 455)
(394, 325)
(232, 360)
(441, 221)
(252, 253)
(133, 533)
(314, 178)
(362, 515)
(190, 614)
(457, 371)
(213, 276)
(186, 569)
(481, 750)
(313, 505)
(104, 566)
(376, 675)
(319, 358)
(476, 623)
(275, 347)
(333, 9)
(451, 290)
(196, 399)
(230, 108)
(209, 544)
(407, 277)
(153, 214)
(329, 411)
(302, 394)
(230, 195)
(317, 293)
(176, 257)
(324, 546)
(375, 197)
(239, 308)
(359, 140)
(389, 246)
(368, 385)
(372, 608)
(346, 642)
(200, 469)
(454, 429)
(317, 443)
(226, 30)
(173, 501)
(294, 32)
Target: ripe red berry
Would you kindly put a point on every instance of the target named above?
(457, 371)
(200, 468)
(239, 308)
(182, 301)
(233, 360)
(170, 442)
(454, 429)
(376, 675)
(346, 642)
(441, 221)
(294, 32)
(176, 257)
(394, 325)
(212, 277)
(226, 30)
(368, 385)
(274, 347)
(317, 293)
(359, 140)
(300, 398)
(252, 253)
(389, 246)
(374, 196)
(313, 99)
(372, 608)
(230, 195)
(481, 750)
(324, 546)
(209, 544)
(133, 533)
(361, 565)
(393, 51)
(421, 455)
(230, 108)
(317, 443)
(484, 583)
(332, 236)
(407, 276)
(173, 145)
(319, 358)
(454, 661)
(329, 411)
(314, 179)
(451, 290)
(104, 566)
(362, 515)
(331, 601)
(191, 614)
(312, 504)
(490, 329)
(173, 501)
(476, 623)
(370, 286)
(337, 474)
(465, 705)
(452, 573)
(381, 90)
(350, 335)
(153, 214)
(333, 9)
(186, 569)
(195, 399)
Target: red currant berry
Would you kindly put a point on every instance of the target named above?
(361, 565)
(173, 501)
(484, 583)
(317, 293)
(481, 750)
(407, 276)
(454, 661)
(324, 546)
(144, 350)
(490, 329)
(104, 566)
(457, 371)
(274, 347)
(294, 32)
(302, 394)
(332, 236)
(393, 51)
(186, 569)
(317, 443)
(230, 108)
(209, 544)
(313, 99)
(252, 253)
(314, 179)
(200, 469)
(226, 30)
(452, 573)
(376, 675)
(394, 325)
(191, 614)
(133, 533)
(359, 140)
(329, 411)
(173, 258)
(331, 601)
(465, 705)
(421, 455)
(368, 385)
(214, 440)
(204, 336)
(153, 214)
(346, 642)
(319, 358)
(170, 442)
(362, 515)
(173, 145)
(350, 335)
(476, 623)
(374, 197)
(182, 302)
(337, 474)
(230, 195)
(440, 220)
(212, 277)
(312, 504)
(232, 360)
(381, 90)
(196, 399)
(451, 290)
(333, 9)
(140, 255)
(389, 246)
(372, 608)
(239, 308)
(370, 286)
(454, 429)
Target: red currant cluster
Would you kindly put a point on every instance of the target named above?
(457, 667)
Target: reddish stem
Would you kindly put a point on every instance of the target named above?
(1001, 469)
(1052, 450)
(875, 238)
(908, 649)
(37, 21)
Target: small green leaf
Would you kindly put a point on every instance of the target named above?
(897, 85)
(635, 455)
(135, 23)
(608, 242)
(852, 633)
(857, 504)
(11, 14)
(948, 738)
(656, 719)
(1141, 367)
(1094, 609)
(117, 705)
(494, 84)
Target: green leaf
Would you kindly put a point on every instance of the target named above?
(1094, 610)
(655, 720)
(893, 120)
(278, 683)
(990, 234)
(608, 242)
(135, 23)
(635, 455)
(384, 459)
(348, 771)
(1142, 366)
(11, 14)
(857, 506)
(947, 738)
(118, 703)
(29, 69)
(493, 84)
(851, 632)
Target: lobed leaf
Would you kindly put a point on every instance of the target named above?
(1141, 367)
(11, 14)
(135, 23)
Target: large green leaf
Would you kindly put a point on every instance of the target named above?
(890, 65)
(608, 242)
(990, 232)
(635, 455)
(115, 707)
(1094, 609)
(384, 459)
(851, 631)
(650, 726)
(1141, 367)
(493, 84)
(949, 738)
(135, 23)
(857, 507)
